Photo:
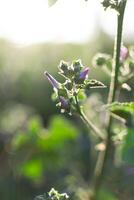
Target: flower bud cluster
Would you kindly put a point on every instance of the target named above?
(76, 81)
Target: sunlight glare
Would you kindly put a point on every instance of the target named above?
(31, 21)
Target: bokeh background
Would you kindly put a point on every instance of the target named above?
(39, 147)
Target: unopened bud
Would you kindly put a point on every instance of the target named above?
(77, 65)
(84, 73)
(63, 66)
(100, 59)
(52, 80)
(64, 102)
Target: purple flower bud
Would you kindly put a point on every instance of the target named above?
(123, 53)
(84, 73)
(52, 80)
(64, 102)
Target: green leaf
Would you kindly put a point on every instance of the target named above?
(51, 2)
(29, 136)
(93, 83)
(127, 106)
(60, 131)
(19, 140)
(118, 108)
(34, 125)
(123, 110)
(32, 169)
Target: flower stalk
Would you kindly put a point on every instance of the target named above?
(89, 124)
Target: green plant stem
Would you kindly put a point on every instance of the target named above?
(92, 126)
(101, 164)
(88, 123)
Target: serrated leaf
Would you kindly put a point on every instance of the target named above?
(124, 107)
(93, 83)
(51, 2)
(123, 110)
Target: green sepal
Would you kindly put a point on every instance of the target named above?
(81, 95)
(62, 92)
(63, 67)
(77, 65)
(68, 85)
(68, 74)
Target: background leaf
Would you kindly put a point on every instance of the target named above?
(106, 195)
(32, 169)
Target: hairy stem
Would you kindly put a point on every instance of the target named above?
(92, 126)
(88, 123)
(101, 163)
